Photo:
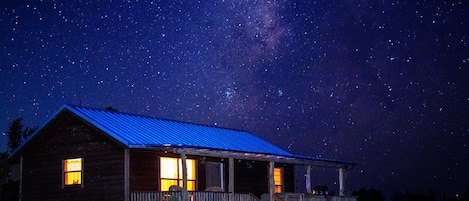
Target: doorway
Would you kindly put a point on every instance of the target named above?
(214, 175)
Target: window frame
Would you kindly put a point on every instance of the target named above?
(282, 180)
(178, 170)
(82, 183)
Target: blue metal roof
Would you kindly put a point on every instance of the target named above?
(140, 131)
(135, 131)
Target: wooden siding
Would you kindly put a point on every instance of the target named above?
(288, 177)
(69, 137)
(252, 177)
(144, 170)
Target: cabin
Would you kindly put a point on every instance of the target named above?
(92, 154)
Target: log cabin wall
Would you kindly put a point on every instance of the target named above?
(251, 177)
(288, 177)
(144, 170)
(68, 137)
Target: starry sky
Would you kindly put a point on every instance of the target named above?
(382, 83)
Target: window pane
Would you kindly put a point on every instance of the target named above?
(169, 168)
(72, 178)
(190, 185)
(72, 165)
(278, 189)
(190, 164)
(278, 179)
(166, 183)
(278, 176)
(190, 169)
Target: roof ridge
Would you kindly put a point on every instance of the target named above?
(158, 118)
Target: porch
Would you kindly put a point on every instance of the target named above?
(224, 196)
(310, 197)
(192, 196)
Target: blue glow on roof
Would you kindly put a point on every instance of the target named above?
(141, 131)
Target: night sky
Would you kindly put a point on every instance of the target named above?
(382, 83)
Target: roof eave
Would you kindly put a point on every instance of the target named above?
(291, 159)
(15, 151)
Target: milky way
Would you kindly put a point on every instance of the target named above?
(383, 83)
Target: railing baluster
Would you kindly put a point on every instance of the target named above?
(225, 196)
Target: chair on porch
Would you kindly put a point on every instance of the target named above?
(175, 188)
(173, 196)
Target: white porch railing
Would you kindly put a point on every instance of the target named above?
(311, 197)
(193, 196)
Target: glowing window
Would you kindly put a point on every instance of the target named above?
(278, 180)
(72, 171)
(171, 173)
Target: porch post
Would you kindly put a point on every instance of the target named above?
(21, 179)
(342, 181)
(184, 177)
(271, 181)
(308, 179)
(231, 177)
(126, 174)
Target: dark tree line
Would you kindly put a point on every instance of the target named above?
(16, 134)
(377, 195)
(369, 195)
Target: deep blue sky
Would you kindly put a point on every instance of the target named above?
(381, 83)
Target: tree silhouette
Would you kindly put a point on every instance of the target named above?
(465, 196)
(398, 196)
(16, 133)
(429, 195)
(369, 195)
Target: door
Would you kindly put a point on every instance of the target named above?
(214, 175)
